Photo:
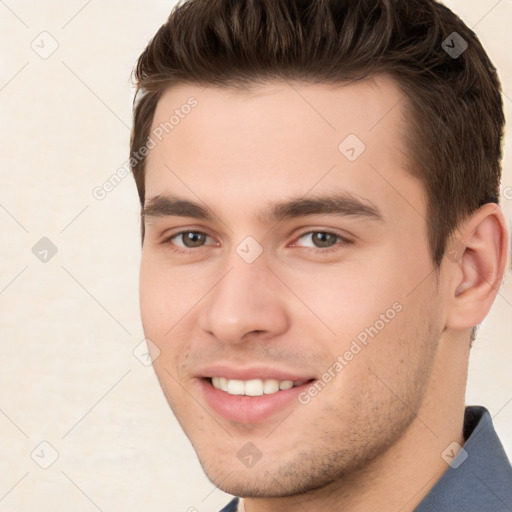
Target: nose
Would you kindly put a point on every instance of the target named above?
(248, 301)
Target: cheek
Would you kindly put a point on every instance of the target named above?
(380, 330)
(161, 304)
(152, 297)
(166, 295)
(169, 302)
(346, 298)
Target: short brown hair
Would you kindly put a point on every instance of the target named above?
(455, 122)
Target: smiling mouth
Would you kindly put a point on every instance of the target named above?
(253, 387)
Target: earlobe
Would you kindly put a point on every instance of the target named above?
(481, 246)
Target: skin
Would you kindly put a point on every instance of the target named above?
(372, 438)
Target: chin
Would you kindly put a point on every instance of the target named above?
(270, 479)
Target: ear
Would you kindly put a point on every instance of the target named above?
(478, 256)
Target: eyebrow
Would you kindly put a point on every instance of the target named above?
(347, 205)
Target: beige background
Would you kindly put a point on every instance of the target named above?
(69, 326)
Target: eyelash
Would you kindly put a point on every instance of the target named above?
(315, 250)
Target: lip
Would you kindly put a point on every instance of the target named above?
(250, 373)
(251, 409)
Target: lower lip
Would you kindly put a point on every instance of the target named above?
(250, 409)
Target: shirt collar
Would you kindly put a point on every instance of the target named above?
(479, 478)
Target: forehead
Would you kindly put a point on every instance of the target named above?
(244, 147)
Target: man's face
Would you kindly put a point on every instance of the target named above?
(339, 297)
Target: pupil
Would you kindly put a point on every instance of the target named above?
(321, 239)
(193, 239)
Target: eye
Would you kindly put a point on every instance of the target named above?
(189, 239)
(318, 241)
(322, 240)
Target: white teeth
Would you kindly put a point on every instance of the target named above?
(286, 384)
(270, 386)
(236, 387)
(253, 387)
(223, 384)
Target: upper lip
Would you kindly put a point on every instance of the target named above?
(252, 372)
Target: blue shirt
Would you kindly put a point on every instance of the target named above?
(480, 483)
